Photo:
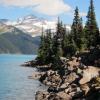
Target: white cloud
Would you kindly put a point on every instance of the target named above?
(48, 7)
(19, 3)
(82, 14)
(53, 7)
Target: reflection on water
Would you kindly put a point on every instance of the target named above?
(14, 82)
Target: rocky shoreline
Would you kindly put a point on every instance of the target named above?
(79, 82)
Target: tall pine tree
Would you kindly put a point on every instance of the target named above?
(59, 36)
(45, 49)
(41, 51)
(77, 30)
(91, 27)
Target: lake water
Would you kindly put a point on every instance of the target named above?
(14, 82)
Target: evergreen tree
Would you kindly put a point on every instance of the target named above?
(44, 52)
(63, 39)
(77, 30)
(81, 41)
(91, 27)
(59, 36)
(56, 46)
(69, 47)
(51, 47)
(41, 51)
(47, 47)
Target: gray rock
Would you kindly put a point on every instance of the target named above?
(64, 96)
(41, 95)
(71, 77)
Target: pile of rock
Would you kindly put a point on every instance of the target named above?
(76, 84)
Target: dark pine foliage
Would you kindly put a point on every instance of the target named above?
(77, 33)
(63, 43)
(91, 28)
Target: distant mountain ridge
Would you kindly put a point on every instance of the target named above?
(32, 24)
(13, 40)
(23, 36)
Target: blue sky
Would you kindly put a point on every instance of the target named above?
(49, 9)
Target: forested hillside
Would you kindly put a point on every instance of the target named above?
(13, 40)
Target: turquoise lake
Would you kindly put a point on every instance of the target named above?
(14, 82)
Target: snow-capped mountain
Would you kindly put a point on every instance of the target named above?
(32, 24)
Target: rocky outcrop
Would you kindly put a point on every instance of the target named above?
(89, 73)
(76, 83)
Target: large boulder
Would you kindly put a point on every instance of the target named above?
(89, 73)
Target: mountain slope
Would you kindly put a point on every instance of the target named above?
(22, 36)
(32, 24)
(6, 46)
(16, 41)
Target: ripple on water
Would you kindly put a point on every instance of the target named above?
(14, 82)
